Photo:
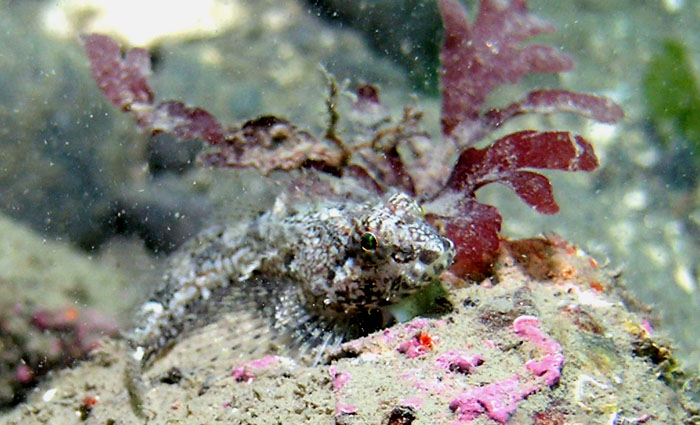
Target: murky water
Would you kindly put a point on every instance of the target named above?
(90, 207)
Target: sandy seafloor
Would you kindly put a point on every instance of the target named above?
(66, 158)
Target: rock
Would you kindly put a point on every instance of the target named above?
(548, 339)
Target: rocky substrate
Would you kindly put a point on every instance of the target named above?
(550, 338)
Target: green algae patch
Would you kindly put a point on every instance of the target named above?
(672, 95)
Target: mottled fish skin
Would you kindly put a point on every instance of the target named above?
(343, 258)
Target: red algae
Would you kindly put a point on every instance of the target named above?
(476, 59)
(417, 346)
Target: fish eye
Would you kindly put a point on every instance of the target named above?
(368, 242)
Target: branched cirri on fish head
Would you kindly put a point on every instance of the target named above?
(340, 258)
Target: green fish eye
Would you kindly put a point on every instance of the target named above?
(368, 242)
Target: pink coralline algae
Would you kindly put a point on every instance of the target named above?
(39, 340)
(499, 399)
(414, 403)
(81, 330)
(246, 372)
(444, 374)
(549, 367)
(340, 379)
(459, 361)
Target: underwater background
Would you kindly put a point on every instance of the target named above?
(90, 207)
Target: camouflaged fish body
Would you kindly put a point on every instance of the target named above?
(342, 258)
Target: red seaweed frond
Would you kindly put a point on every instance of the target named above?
(123, 80)
(384, 155)
(503, 162)
(478, 59)
(474, 229)
(267, 143)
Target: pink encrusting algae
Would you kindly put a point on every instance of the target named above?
(549, 367)
(499, 399)
(340, 379)
(459, 361)
(439, 373)
(246, 371)
(41, 339)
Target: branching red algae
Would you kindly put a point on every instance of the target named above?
(475, 60)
